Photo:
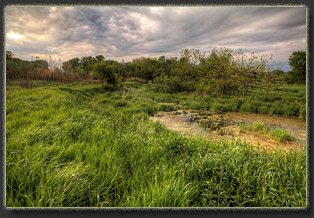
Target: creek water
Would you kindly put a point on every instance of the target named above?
(217, 126)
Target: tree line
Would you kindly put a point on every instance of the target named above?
(17, 69)
(222, 72)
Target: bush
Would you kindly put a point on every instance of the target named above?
(172, 85)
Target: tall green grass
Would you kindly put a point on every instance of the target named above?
(280, 134)
(80, 146)
(287, 100)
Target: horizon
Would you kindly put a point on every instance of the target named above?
(125, 33)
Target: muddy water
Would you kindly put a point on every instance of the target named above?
(217, 126)
(179, 122)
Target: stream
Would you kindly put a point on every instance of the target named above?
(224, 126)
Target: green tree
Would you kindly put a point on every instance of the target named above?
(246, 68)
(190, 60)
(218, 79)
(87, 64)
(71, 66)
(67, 67)
(100, 58)
(105, 73)
(297, 62)
(9, 55)
(270, 77)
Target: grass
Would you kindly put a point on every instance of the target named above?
(281, 135)
(287, 100)
(81, 146)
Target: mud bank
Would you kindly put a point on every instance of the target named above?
(224, 126)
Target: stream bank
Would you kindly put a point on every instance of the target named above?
(224, 126)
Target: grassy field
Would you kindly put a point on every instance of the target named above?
(76, 145)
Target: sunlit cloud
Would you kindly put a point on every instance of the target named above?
(128, 32)
(15, 36)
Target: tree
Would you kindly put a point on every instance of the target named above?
(297, 62)
(87, 64)
(100, 58)
(218, 78)
(71, 66)
(149, 69)
(9, 55)
(270, 76)
(190, 58)
(105, 72)
(245, 69)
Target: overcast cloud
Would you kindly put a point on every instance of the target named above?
(128, 32)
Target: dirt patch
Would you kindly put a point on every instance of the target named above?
(233, 132)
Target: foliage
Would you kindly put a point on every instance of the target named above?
(172, 85)
(297, 62)
(27, 70)
(105, 73)
(219, 80)
(270, 78)
(246, 69)
(287, 100)
(223, 72)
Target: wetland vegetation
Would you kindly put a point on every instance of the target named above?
(155, 133)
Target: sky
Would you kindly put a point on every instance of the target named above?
(124, 33)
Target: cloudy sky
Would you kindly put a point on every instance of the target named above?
(128, 32)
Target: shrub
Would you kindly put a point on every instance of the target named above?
(172, 85)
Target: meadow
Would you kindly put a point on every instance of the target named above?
(78, 145)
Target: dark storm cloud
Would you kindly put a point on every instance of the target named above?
(127, 32)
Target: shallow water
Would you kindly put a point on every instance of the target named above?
(180, 123)
(216, 126)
